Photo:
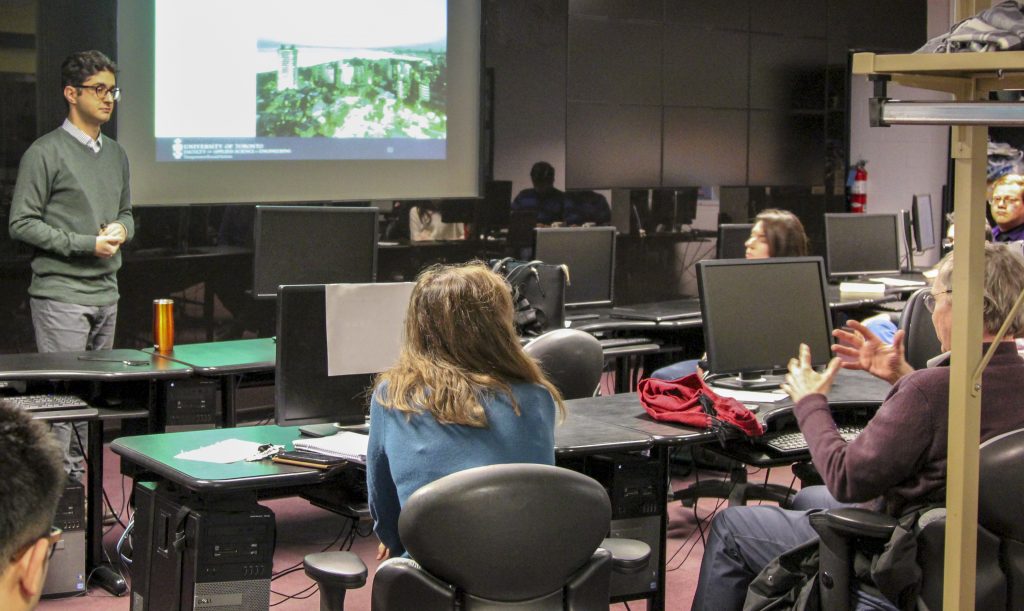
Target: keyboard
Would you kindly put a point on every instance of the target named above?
(892, 306)
(45, 403)
(794, 442)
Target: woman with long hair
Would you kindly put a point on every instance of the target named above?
(463, 394)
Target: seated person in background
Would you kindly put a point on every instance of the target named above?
(898, 462)
(544, 199)
(1007, 208)
(586, 209)
(425, 224)
(33, 480)
(776, 233)
(463, 394)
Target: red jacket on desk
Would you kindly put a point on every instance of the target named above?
(681, 401)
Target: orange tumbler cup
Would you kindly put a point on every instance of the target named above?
(163, 325)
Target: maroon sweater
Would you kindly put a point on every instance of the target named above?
(901, 455)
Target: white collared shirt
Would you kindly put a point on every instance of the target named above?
(84, 138)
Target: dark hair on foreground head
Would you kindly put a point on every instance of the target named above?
(784, 233)
(31, 480)
(459, 344)
(78, 67)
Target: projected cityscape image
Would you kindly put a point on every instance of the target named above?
(351, 93)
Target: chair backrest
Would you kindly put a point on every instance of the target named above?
(919, 342)
(572, 359)
(1000, 568)
(515, 534)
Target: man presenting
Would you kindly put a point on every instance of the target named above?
(73, 205)
(1007, 208)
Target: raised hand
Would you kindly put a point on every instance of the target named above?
(859, 348)
(803, 380)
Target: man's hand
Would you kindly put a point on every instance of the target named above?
(861, 349)
(115, 230)
(107, 246)
(383, 553)
(803, 380)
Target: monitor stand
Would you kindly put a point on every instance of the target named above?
(756, 380)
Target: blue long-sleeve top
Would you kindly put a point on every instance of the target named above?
(550, 205)
(404, 455)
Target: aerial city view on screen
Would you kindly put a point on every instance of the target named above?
(396, 92)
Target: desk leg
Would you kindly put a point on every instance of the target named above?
(657, 601)
(228, 395)
(100, 572)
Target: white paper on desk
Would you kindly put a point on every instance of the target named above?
(344, 444)
(222, 452)
(899, 282)
(364, 326)
(749, 396)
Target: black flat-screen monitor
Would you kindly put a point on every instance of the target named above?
(732, 240)
(589, 252)
(756, 313)
(460, 210)
(860, 244)
(671, 208)
(303, 392)
(494, 209)
(923, 223)
(313, 245)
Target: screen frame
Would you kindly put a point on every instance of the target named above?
(722, 228)
(258, 261)
(830, 217)
(709, 324)
(916, 218)
(556, 231)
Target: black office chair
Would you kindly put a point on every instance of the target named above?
(572, 359)
(919, 342)
(1000, 568)
(515, 536)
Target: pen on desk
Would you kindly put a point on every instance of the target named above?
(129, 362)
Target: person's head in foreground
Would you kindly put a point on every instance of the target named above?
(776, 233)
(459, 342)
(31, 482)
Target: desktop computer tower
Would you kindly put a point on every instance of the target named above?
(636, 488)
(187, 554)
(66, 572)
(191, 404)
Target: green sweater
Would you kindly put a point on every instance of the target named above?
(64, 193)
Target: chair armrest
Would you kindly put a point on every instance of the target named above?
(628, 555)
(854, 522)
(339, 569)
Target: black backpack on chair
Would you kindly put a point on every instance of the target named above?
(538, 294)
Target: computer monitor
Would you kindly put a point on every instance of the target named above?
(313, 245)
(923, 223)
(737, 297)
(860, 244)
(589, 252)
(461, 210)
(303, 392)
(732, 240)
(494, 209)
(671, 208)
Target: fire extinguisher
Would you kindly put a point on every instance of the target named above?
(859, 188)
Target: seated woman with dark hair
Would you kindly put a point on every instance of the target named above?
(425, 224)
(776, 233)
(463, 394)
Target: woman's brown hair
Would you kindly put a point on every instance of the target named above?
(784, 233)
(459, 345)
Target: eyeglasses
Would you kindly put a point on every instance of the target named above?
(101, 91)
(929, 299)
(53, 536)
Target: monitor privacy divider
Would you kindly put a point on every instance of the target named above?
(589, 253)
(303, 392)
(859, 244)
(756, 313)
(313, 245)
